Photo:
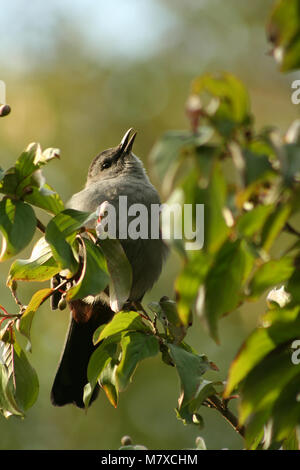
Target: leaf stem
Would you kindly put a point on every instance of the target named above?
(7, 315)
(15, 297)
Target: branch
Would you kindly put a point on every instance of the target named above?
(216, 403)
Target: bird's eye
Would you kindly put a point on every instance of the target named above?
(105, 165)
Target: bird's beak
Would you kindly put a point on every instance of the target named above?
(127, 141)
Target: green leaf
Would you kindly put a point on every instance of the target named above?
(41, 265)
(8, 404)
(255, 429)
(204, 158)
(170, 317)
(290, 162)
(224, 282)
(18, 177)
(252, 222)
(33, 158)
(97, 363)
(214, 199)
(174, 144)
(205, 389)
(283, 30)
(271, 274)
(120, 273)
(231, 101)
(61, 232)
(17, 224)
(19, 382)
(135, 347)
(280, 325)
(93, 278)
(122, 321)
(189, 281)
(25, 165)
(45, 198)
(108, 382)
(190, 192)
(263, 386)
(24, 324)
(9, 182)
(274, 224)
(194, 389)
(257, 166)
(291, 59)
(292, 441)
(190, 368)
(293, 286)
(24, 176)
(286, 411)
(27, 385)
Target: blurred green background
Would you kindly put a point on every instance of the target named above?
(78, 75)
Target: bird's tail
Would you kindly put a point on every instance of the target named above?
(71, 376)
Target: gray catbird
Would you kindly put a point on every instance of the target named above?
(113, 173)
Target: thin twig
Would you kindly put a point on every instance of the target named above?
(217, 404)
(288, 227)
(40, 226)
(62, 284)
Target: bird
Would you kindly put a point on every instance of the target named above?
(114, 172)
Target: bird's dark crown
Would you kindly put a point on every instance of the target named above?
(111, 162)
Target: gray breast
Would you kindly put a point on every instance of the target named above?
(145, 255)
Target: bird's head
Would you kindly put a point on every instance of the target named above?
(116, 161)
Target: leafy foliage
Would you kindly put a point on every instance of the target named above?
(244, 217)
(86, 267)
(283, 33)
(248, 181)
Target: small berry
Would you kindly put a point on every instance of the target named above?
(62, 303)
(4, 110)
(126, 441)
